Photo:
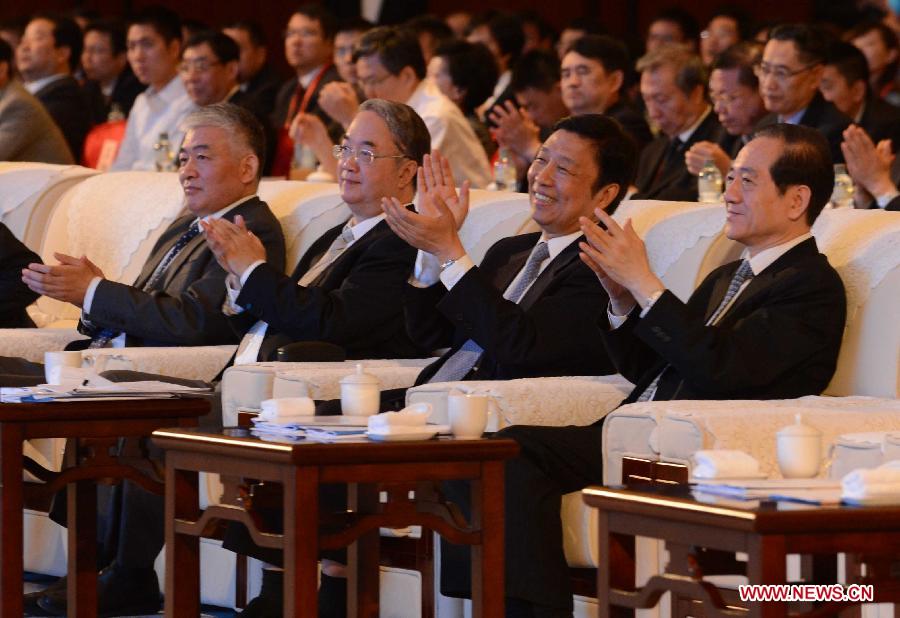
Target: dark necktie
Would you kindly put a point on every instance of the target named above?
(672, 155)
(461, 362)
(102, 339)
(742, 274)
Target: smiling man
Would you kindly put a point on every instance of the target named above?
(766, 327)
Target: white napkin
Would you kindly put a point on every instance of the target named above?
(875, 483)
(411, 418)
(286, 410)
(724, 464)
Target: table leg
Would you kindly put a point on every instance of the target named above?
(11, 544)
(82, 535)
(766, 565)
(301, 541)
(363, 557)
(182, 550)
(488, 559)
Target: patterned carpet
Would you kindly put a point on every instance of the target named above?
(38, 582)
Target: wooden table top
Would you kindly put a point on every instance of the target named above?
(99, 410)
(239, 441)
(678, 503)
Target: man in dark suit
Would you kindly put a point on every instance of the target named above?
(46, 57)
(14, 295)
(789, 76)
(258, 81)
(592, 80)
(111, 85)
(673, 86)
(176, 300)
(845, 84)
(769, 326)
(874, 169)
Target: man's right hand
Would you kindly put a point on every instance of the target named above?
(515, 130)
(339, 100)
(698, 154)
(869, 165)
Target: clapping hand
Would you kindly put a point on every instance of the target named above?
(869, 165)
(67, 281)
(234, 246)
(434, 179)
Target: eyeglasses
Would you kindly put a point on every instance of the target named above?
(724, 99)
(370, 82)
(363, 156)
(201, 65)
(779, 72)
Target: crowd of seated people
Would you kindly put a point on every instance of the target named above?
(406, 119)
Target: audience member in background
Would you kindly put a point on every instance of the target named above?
(502, 34)
(27, 132)
(789, 76)
(110, 84)
(390, 66)
(873, 169)
(209, 68)
(592, 79)
(340, 99)
(521, 128)
(576, 29)
(778, 339)
(46, 57)
(11, 30)
(190, 27)
(879, 44)
(459, 22)
(257, 79)
(672, 26)
(673, 86)
(14, 257)
(154, 49)
(538, 33)
(725, 28)
(309, 49)
(734, 93)
(845, 84)
(431, 31)
(465, 73)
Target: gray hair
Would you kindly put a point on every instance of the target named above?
(689, 69)
(407, 128)
(240, 124)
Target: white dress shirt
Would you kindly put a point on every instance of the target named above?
(452, 134)
(37, 84)
(153, 112)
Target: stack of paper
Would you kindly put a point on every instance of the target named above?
(118, 390)
(812, 491)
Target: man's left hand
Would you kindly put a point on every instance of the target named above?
(234, 246)
(67, 281)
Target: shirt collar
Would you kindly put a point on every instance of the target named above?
(223, 211)
(171, 91)
(37, 84)
(557, 244)
(420, 94)
(502, 83)
(685, 135)
(765, 258)
(793, 118)
(306, 78)
(363, 227)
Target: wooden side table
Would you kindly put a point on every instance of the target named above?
(95, 427)
(367, 468)
(766, 531)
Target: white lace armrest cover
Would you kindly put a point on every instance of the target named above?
(188, 362)
(31, 343)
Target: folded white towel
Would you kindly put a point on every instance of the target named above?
(724, 464)
(410, 417)
(866, 484)
(286, 410)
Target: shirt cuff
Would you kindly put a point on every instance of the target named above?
(248, 272)
(651, 301)
(884, 200)
(426, 272)
(232, 291)
(615, 321)
(453, 273)
(89, 294)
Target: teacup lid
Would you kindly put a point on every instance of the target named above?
(360, 377)
(799, 429)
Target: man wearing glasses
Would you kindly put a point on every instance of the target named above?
(347, 289)
(789, 76)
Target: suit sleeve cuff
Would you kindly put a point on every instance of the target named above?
(89, 294)
(246, 274)
(453, 273)
(615, 321)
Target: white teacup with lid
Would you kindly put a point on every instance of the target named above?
(360, 393)
(799, 450)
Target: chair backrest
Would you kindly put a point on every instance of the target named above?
(28, 194)
(494, 215)
(864, 248)
(306, 210)
(102, 144)
(684, 240)
(114, 219)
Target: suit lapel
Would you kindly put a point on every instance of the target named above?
(549, 274)
(506, 273)
(719, 290)
(316, 250)
(179, 227)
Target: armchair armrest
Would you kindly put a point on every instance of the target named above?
(311, 351)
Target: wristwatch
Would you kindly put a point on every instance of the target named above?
(448, 263)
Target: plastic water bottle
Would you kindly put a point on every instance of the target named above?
(842, 196)
(164, 155)
(505, 177)
(304, 158)
(709, 183)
